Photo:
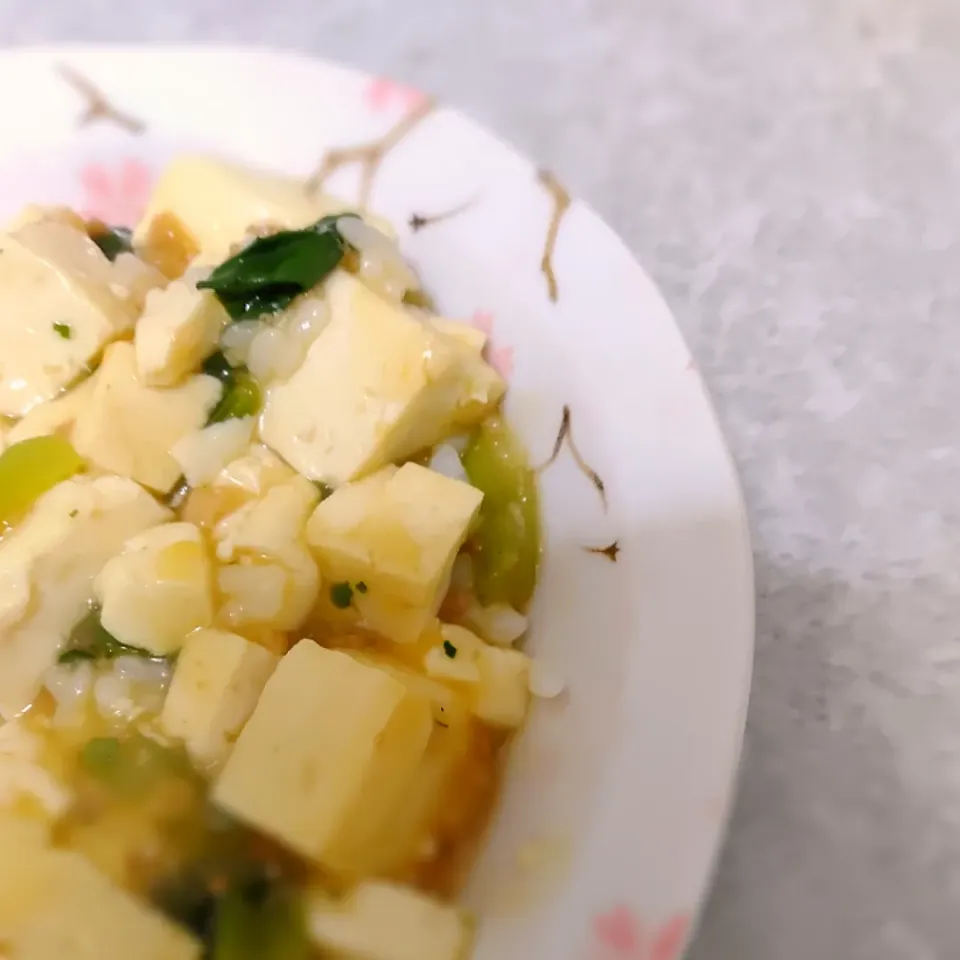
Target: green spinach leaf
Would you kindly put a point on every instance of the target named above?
(266, 275)
(113, 241)
(90, 641)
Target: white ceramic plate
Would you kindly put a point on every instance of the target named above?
(619, 790)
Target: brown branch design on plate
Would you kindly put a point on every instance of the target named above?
(611, 551)
(565, 435)
(98, 107)
(561, 203)
(368, 155)
(418, 221)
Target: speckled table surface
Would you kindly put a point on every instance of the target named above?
(787, 171)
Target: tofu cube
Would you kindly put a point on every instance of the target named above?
(47, 567)
(55, 904)
(128, 428)
(217, 202)
(378, 385)
(257, 594)
(385, 921)
(398, 533)
(494, 680)
(54, 416)
(503, 693)
(157, 589)
(479, 386)
(328, 753)
(216, 684)
(269, 526)
(271, 578)
(57, 312)
(179, 328)
(255, 472)
(133, 279)
(414, 821)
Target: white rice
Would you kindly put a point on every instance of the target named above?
(306, 318)
(545, 683)
(381, 265)
(202, 454)
(121, 690)
(131, 687)
(497, 623)
(236, 339)
(70, 686)
(277, 351)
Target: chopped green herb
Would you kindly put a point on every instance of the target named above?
(73, 513)
(449, 649)
(341, 595)
(113, 241)
(99, 756)
(90, 641)
(241, 392)
(266, 275)
(64, 330)
(132, 765)
(361, 587)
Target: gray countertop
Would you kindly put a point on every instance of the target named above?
(787, 171)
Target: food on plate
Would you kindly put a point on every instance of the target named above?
(267, 549)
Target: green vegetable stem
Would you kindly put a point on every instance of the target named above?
(241, 392)
(506, 543)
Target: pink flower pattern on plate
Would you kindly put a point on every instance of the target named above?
(500, 358)
(381, 93)
(619, 935)
(116, 196)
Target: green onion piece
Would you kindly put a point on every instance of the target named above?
(506, 544)
(30, 468)
(258, 924)
(240, 399)
(241, 392)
